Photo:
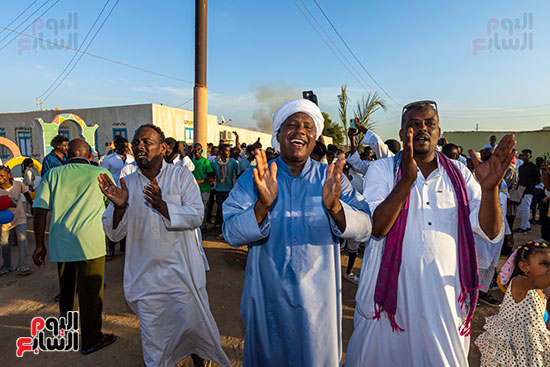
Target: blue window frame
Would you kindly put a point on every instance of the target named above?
(64, 132)
(24, 142)
(4, 152)
(188, 134)
(122, 131)
(96, 138)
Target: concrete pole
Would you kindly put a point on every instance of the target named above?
(200, 92)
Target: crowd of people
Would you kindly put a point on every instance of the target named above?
(431, 220)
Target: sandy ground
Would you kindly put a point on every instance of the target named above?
(23, 297)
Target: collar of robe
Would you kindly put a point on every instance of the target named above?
(282, 166)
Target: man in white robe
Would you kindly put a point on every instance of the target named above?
(159, 207)
(429, 280)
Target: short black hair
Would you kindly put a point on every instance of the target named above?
(527, 151)
(58, 140)
(156, 128)
(27, 162)
(320, 149)
(448, 149)
(119, 139)
(223, 146)
(393, 145)
(171, 142)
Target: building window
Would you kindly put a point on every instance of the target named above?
(4, 152)
(24, 142)
(120, 131)
(64, 132)
(188, 135)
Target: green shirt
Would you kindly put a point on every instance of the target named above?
(77, 204)
(202, 169)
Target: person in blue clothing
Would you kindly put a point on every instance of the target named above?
(226, 169)
(291, 212)
(58, 156)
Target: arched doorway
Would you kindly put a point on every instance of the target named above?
(69, 124)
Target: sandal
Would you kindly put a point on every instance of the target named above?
(5, 270)
(107, 340)
(24, 270)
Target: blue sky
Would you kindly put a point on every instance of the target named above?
(260, 53)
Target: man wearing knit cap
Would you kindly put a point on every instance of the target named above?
(291, 214)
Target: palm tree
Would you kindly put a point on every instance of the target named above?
(343, 106)
(366, 107)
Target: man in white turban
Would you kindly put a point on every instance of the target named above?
(291, 215)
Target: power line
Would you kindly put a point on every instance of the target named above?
(334, 44)
(100, 57)
(17, 17)
(184, 103)
(76, 53)
(27, 27)
(86, 49)
(331, 49)
(353, 54)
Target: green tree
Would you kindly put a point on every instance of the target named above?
(333, 130)
(342, 109)
(366, 107)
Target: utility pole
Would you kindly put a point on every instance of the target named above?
(39, 104)
(200, 92)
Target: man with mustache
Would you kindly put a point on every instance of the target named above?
(291, 214)
(159, 207)
(419, 286)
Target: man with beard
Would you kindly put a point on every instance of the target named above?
(291, 214)
(419, 286)
(158, 207)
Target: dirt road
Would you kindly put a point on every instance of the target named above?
(23, 297)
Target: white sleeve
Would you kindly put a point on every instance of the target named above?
(474, 197)
(189, 211)
(358, 164)
(120, 232)
(378, 146)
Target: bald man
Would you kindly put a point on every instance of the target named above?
(77, 240)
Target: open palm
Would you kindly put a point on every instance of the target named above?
(265, 179)
(118, 196)
(490, 173)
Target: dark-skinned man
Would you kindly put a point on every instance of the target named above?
(58, 156)
(291, 213)
(76, 240)
(419, 286)
(158, 207)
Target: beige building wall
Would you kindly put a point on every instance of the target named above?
(537, 141)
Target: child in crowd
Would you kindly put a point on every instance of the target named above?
(14, 189)
(518, 336)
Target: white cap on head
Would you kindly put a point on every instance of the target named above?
(291, 107)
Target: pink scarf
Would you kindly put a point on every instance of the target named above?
(385, 296)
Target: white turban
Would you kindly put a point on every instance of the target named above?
(291, 107)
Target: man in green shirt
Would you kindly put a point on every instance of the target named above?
(77, 240)
(204, 175)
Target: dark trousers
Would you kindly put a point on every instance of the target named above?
(220, 198)
(545, 221)
(210, 205)
(112, 245)
(86, 279)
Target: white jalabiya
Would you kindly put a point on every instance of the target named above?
(488, 253)
(429, 283)
(378, 147)
(164, 277)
